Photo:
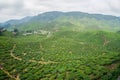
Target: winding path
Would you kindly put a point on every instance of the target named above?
(11, 53)
(31, 60)
(11, 76)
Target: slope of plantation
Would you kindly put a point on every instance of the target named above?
(65, 55)
(5, 46)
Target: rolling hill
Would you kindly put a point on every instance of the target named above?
(68, 46)
(65, 21)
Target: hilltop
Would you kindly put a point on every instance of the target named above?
(76, 21)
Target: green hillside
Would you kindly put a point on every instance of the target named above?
(65, 55)
(62, 20)
(60, 46)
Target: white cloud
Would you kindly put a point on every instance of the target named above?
(21, 8)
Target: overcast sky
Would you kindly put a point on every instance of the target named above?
(16, 9)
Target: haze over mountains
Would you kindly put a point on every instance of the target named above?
(65, 21)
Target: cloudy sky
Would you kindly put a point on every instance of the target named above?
(16, 9)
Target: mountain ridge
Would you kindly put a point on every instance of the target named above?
(53, 18)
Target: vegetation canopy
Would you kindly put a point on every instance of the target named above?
(61, 46)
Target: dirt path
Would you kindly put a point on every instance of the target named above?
(106, 41)
(33, 61)
(12, 55)
(11, 76)
(43, 62)
(113, 65)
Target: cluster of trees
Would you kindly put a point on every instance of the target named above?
(15, 32)
(4, 31)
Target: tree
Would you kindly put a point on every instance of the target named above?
(118, 31)
(2, 30)
(15, 32)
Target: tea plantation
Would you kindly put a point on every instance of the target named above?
(65, 55)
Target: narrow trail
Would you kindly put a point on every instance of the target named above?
(33, 61)
(105, 41)
(11, 76)
(12, 55)
(113, 65)
(43, 62)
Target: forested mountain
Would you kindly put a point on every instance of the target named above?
(65, 20)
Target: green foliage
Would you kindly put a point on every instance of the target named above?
(63, 21)
(66, 55)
